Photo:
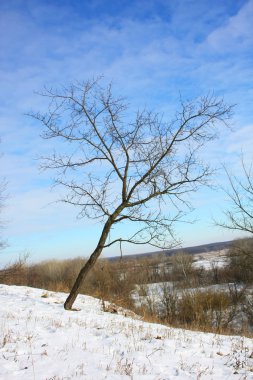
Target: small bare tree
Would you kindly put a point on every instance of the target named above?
(2, 203)
(119, 168)
(182, 265)
(240, 260)
(2, 189)
(240, 194)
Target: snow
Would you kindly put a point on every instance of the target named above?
(212, 259)
(40, 340)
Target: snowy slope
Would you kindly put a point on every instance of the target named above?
(40, 340)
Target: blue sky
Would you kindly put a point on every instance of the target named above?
(153, 51)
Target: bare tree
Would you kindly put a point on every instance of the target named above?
(2, 203)
(120, 167)
(240, 194)
(2, 199)
(182, 265)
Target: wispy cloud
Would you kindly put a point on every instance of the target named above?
(235, 35)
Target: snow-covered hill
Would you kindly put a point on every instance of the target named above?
(40, 340)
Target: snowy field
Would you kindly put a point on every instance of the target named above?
(208, 260)
(40, 340)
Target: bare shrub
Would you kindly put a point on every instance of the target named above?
(237, 294)
(182, 267)
(203, 309)
(15, 273)
(57, 275)
(248, 309)
(108, 282)
(241, 260)
(169, 300)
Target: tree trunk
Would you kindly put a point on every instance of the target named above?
(90, 263)
(80, 278)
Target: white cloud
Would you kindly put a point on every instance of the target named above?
(236, 32)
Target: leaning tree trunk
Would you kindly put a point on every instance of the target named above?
(80, 278)
(90, 263)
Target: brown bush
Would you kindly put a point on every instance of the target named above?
(248, 309)
(109, 281)
(56, 275)
(15, 273)
(204, 309)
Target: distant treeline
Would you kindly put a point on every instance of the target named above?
(204, 248)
